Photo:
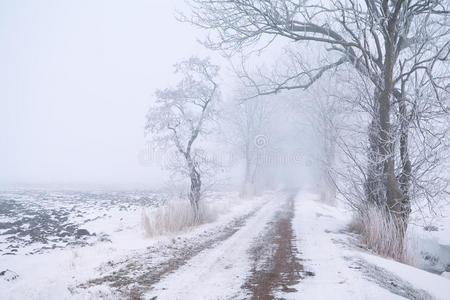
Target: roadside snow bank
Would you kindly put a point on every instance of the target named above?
(437, 286)
(343, 271)
(431, 243)
(317, 227)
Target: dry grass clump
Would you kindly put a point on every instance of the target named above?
(380, 233)
(174, 216)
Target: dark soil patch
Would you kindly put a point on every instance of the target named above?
(276, 266)
(45, 220)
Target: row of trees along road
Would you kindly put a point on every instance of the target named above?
(399, 48)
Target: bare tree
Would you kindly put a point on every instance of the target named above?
(323, 119)
(180, 116)
(246, 129)
(391, 44)
(420, 153)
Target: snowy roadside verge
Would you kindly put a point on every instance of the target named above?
(429, 237)
(342, 271)
(434, 285)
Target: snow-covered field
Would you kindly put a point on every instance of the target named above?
(53, 242)
(50, 239)
(37, 221)
(283, 245)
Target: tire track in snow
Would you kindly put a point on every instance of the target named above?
(136, 275)
(218, 273)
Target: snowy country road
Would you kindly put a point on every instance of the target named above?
(294, 248)
(250, 263)
(280, 245)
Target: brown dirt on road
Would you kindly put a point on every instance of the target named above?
(134, 276)
(276, 266)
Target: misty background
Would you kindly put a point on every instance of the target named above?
(76, 81)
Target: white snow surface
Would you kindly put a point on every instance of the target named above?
(219, 272)
(437, 286)
(315, 225)
(429, 238)
(327, 252)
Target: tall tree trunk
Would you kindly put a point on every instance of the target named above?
(248, 186)
(374, 186)
(195, 190)
(394, 195)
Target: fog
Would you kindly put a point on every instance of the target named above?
(76, 81)
(224, 149)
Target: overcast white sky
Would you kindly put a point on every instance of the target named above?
(76, 80)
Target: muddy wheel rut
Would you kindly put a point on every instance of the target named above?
(276, 266)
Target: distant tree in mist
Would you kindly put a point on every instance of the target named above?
(181, 115)
(246, 128)
(323, 117)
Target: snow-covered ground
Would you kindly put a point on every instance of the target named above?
(344, 271)
(51, 239)
(45, 259)
(240, 254)
(429, 237)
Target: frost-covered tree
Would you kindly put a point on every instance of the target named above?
(180, 116)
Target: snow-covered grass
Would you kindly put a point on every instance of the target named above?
(175, 216)
(380, 233)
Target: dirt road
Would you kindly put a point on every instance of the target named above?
(288, 247)
(253, 263)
